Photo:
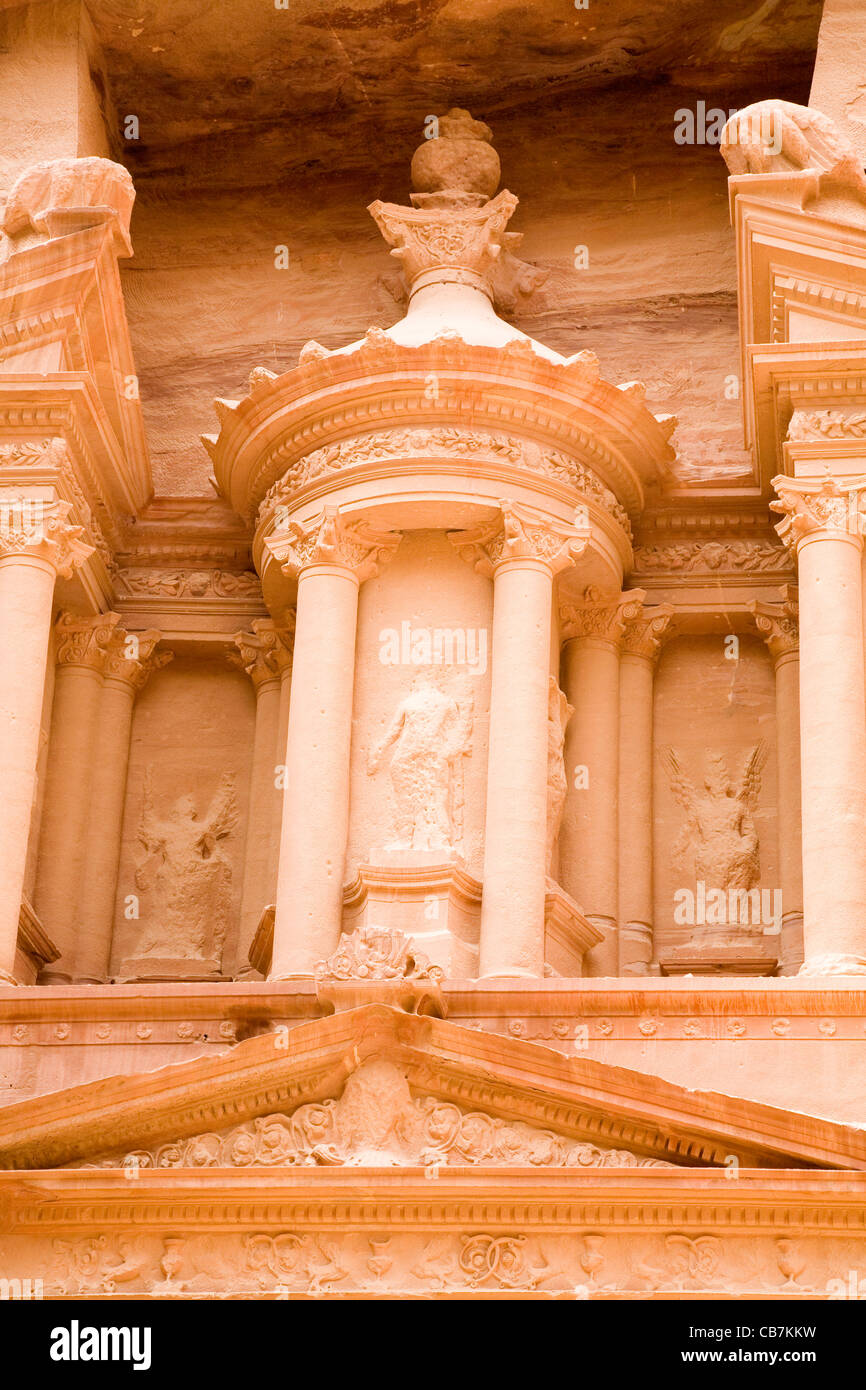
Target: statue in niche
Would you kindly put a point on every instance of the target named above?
(559, 711)
(431, 735)
(187, 877)
(720, 829)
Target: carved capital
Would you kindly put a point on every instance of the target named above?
(644, 632)
(521, 534)
(33, 526)
(779, 623)
(132, 657)
(265, 653)
(810, 507)
(85, 641)
(430, 239)
(330, 540)
(602, 616)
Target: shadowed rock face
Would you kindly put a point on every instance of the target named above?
(263, 127)
(335, 85)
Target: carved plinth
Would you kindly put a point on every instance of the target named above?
(140, 969)
(429, 896)
(736, 953)
(438, 906)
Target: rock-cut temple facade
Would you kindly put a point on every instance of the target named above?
(433, 800)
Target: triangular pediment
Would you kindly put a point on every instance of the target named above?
(376, 1087)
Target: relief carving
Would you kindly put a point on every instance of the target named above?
(434, 442)
(559, 711)
(719, 833)
(186, 878)
(378, 1122)
(711, 557)
(429, 738)
(374, 953)
(178, 583)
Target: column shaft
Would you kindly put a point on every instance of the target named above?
(64, 820)
(636, 677)
(102, 857)
(26, 596)
(589, 835)
(512, 915)
(789, 817)
(265, 801)
(315, 816)
(833, 749)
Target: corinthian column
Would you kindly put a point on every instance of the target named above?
(330, 559)
(778, 624)
(82, 646)
(37, 542)
(522, 553)
(822, 525)
(590, 827)
(130, 659)
(640, 647)
(266, 656)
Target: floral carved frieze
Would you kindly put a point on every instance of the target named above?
(378, 1122)
(584, 1263)
(141, 582)
(444, 442)
(711, 557)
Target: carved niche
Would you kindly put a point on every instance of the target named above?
(427, 742)
(184, 877)
(719, 833)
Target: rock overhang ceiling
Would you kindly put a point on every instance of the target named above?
(208, 82)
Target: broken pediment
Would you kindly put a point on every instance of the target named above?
(378, 1088)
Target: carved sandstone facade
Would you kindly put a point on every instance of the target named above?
(457, 816)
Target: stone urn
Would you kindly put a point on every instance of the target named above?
(460, 161)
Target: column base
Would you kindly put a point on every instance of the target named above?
(7, 979)
(833, 965)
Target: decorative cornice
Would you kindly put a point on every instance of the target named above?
(380, 385)
(457, 442)
(266, 652)
(85, 641)
(644, 632)
(812, 507)
(41, 528)
(520, 533)
(602, 617)
(331, 540)
(779, 623)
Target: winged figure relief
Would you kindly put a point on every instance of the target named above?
(719, 832)
(185, 874)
